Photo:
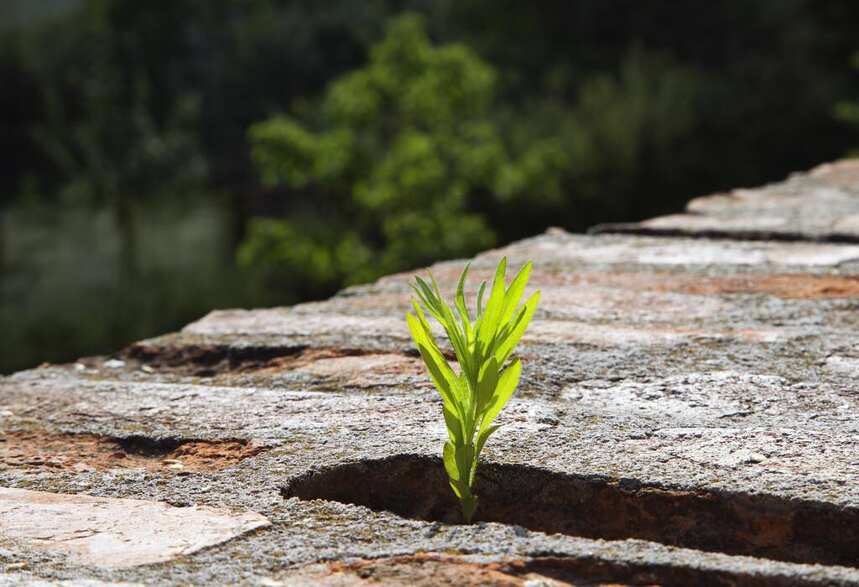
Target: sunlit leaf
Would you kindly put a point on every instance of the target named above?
(490, 320)
(506, 346)
(460, 304)
(514, 292)
(480, 293)
(450, 462)
(506, 386)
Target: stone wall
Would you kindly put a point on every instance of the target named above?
(687, 415)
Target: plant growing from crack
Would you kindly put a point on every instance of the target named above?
(475, 393)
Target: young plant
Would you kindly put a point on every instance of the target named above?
(474, 394)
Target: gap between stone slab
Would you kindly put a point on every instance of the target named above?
(209, 360)
(765, 526)
(714, 233)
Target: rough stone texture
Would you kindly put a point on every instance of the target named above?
(114, 533)
(686, 416)
(38, 449)
(822, 205)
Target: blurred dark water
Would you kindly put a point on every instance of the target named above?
(65, 292)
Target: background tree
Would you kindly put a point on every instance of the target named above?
(848, 111)
(396, 155)
(111, 125)
(124, 127)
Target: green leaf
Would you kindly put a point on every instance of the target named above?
(488, 383)
(510, 339)
(443, 378)
(514, 292)
(460, 304)
(446, 319)
(440, 372)
(453, 424)
(490, 321)
(450, 462)
(484, 436)
(464, 458)
(419, 313)
(480, 293)
(506, 386)
(429, 298)
(451, 327)
(466, 403)
(419, 329)
(469, 505)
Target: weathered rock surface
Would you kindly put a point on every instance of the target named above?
(687, 415)
(114, 533)
(822, 205)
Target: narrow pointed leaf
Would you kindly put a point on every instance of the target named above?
(466, 403)
(484, 436)
(506, 386)
(428, 297)
(464, 459)
(490, 321)
(480, 293)
(488, 383)
(451, 327)
(428, 336)
(443, 380)
(454, 426)
(514, 292)
(440, 372)
(460, 304)
(506, 346)
(450, 462)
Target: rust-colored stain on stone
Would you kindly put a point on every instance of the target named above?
(41, 450)
(785, 286)
(299, 360)
(365, 370)
(789, 286)
(422, 569)
(429, 570)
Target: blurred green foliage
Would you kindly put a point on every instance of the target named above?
(334, 141)
(396, 150)
(106, 128)
(848, 111)
(64, 291)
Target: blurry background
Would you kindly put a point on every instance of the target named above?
(166, 157)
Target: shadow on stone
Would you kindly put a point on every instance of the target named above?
(38, 449)
(210, 360)
(207, 360)
(147, 447)
(415, 486)
(449, 570)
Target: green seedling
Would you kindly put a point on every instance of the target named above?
(474, 393)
